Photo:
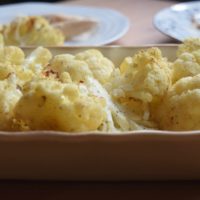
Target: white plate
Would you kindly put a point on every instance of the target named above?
(111, 24)
(176, 21)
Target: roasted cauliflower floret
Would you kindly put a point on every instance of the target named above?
(11, 55)
(188, 64)
(77, 69)
(38, 60)
(11, 61)
(59, 106)
(100, 66)
(9, 96)
(144, 77)
(141, 81)
(85, 92)
(32, 30)
(179, 110)
(116, 119)
(34, 65)
(189, 45)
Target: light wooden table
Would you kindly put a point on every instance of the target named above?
(140, 14)
(141, 31)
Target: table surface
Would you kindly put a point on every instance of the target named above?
(142, 31)
(26, 190)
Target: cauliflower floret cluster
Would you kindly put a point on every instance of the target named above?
(189, 45)
(180, 108)
(148, 75)
(64, 92)
(86, 70)
(187, 64)
(58, 106)
(85, 92)
(31, 30)
(11, 55)
(78, 70)
(141, 80)
(12, 61)
(100, 66)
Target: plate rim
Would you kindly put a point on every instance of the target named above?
(168, 9)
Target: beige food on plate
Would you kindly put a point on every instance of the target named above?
(87, 92)
(71, 26)
(47, 30)
(27, 31)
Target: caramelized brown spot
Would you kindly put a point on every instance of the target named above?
(49, 72)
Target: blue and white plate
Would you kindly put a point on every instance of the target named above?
(180, 21)
(112, 25)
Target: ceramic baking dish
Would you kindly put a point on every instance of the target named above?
(141, 155)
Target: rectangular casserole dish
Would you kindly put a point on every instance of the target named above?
(141, 155)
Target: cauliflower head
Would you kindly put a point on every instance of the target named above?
(100, 66)
(141, 80)
(59, 106)
(188, 61)
(89, 63)
(77, 69)
(13, 61)
(38, 60)
(179, 110)
(189, 45)
(70, 69)
(187, 64)
(144, 77)
(11, 55)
